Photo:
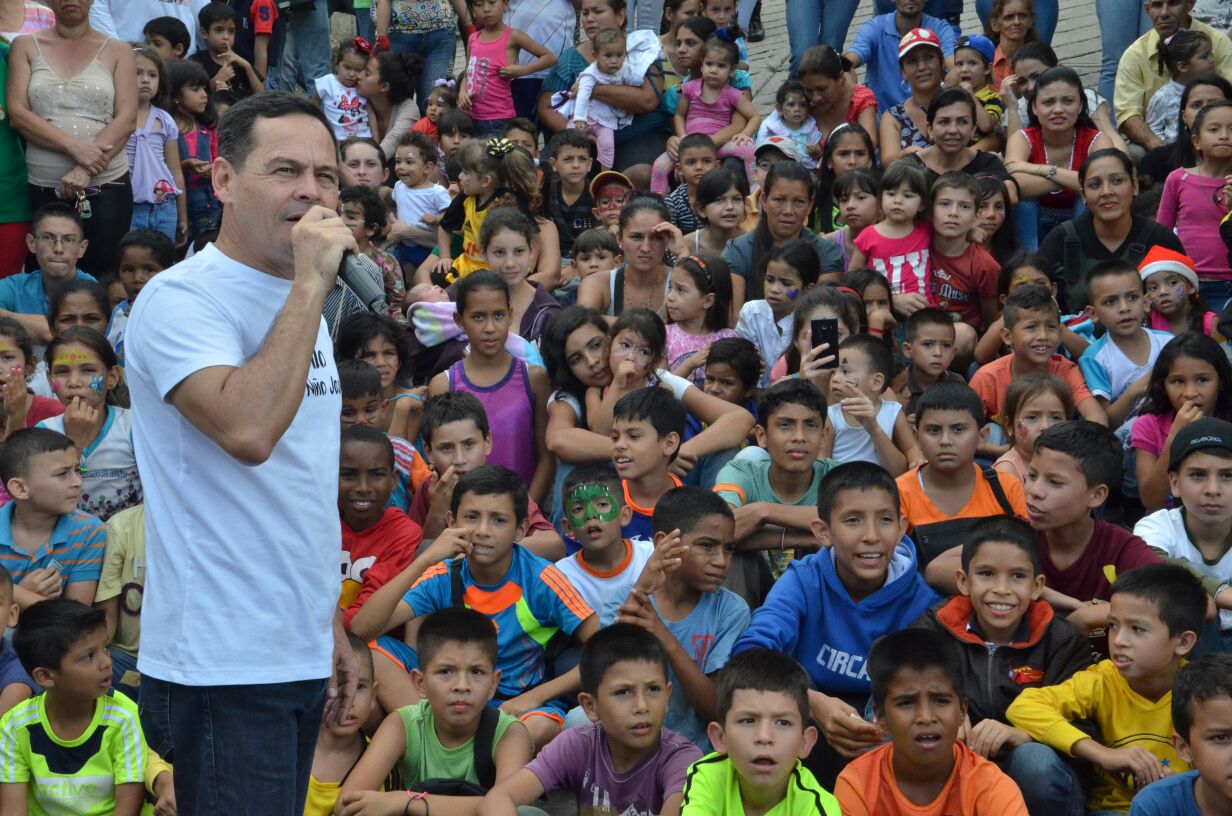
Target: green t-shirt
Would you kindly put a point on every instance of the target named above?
(712, 786)
(78, 776)
(426, 758)
(743, 481)
(14, 198)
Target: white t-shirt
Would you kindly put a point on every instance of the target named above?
(597, 588)
(243, 562)
(345, 109)
(411, 204)
(124, 19)
(1165, 531)
(852, 443)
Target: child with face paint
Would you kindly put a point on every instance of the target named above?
(1171, 281)
(18, 407)
(792, 267)
(595, 511)
(85, 375)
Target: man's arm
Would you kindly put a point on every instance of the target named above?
(218, 400)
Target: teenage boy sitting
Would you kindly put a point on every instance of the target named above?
(453, 733)
(775, 499)
(15, 684)
(228, 70)
(48, 546)
(929, 351)
(828, 608)
(944, 497)
(760, 733)
(1202, 719)
(57, 241)
(608, 563)
(1072, 471)
(378, 541)
(567, 201)
(1010, 640)
(457, 441)
(1198, 534)
(680, 599)
(919, 699)
(1156, 612)
(867, 427)
(1117, 366)
(964, 274)
(624, 761)
(1032, 329)
(527, 599)
(78, 735)
(696, 155)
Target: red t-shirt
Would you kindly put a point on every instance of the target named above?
(1111, 551)
(371, 557)
(419, 511)
(862, 97)
(264, 13)
(959, 284)
(42, 408)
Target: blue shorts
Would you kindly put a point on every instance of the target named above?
(411, 253)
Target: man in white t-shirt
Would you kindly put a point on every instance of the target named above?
(125, 19)
(235, 424)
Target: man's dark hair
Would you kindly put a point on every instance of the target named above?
(1207, 678)
(917, 649)
(793, 391)
(235, 131)
(1095, 449)
(491, 480)
(614, 644)
(162, 247)
(1002, 530)
(47, 631)
(928, 316)
(452, 406)
(762, 669)
(455, 625)
(597, 473)
(212, 13)
(949, 396)
(358, 378)
(24, 445)
(367, 435)
(654, 405)
(171, 29)
(853, 476)
(681, 508)
(56, 209)
(738, 353)
(1175, 592)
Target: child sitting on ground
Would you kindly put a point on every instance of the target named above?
(623, 758)
(15, 684)
(1156, 613)
(919, 699)
(340, 747)
(866, 427)
(929, 351)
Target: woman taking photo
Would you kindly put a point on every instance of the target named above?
(72, 93)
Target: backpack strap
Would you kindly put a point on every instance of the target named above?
(485, 768)
(456, 589)
(990, 474)
(1071, 258)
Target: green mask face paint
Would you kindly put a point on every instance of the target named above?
(591, 501)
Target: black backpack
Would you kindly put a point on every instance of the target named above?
(1075, 265)
(931, 540)
(485, 768)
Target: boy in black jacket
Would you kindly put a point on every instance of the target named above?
(1010, 640)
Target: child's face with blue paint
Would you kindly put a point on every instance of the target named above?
(782, 286)
(76, 371)
(1168, 293)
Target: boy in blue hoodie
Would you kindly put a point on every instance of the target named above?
(828, 608)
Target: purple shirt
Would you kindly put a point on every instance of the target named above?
(579, 760)
(152, 180)
(510, 405)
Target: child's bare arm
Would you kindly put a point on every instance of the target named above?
(1091, 409)
(129, 797)
(383, 752)
(904, 440)
(1073, 342)
(698, 687)
(386, 608)
(727, 425)
(744, 106)
(1118, 410)
(680, 117)
(571, 443)
(522, 788)
(520, 41)
(545, 464)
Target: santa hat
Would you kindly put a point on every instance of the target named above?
(1162, 259)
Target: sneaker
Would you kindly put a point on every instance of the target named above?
(757, 32)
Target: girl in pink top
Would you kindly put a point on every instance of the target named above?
(897, 245)
(486, 92)
(1193, 201)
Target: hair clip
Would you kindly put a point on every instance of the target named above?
(445, 82)
(847, 290)
(362, 46)
(499, 147)
(703, 268)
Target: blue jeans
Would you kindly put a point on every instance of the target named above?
(948, 10)
(1048, 784)
(1216, 294)
(1046, 13)
(647, 15)
(306, 53)
(437, 49)
(365, 26)
(1120, 23)
(161, 217)
(1033, 222)
(121, 664)
(816, 22)
(239, 750)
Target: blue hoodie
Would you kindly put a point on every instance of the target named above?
(810, 616)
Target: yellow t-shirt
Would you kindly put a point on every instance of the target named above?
(124, 574)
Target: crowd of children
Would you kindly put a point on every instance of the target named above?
(792, 471)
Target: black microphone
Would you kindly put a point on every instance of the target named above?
(363, 277)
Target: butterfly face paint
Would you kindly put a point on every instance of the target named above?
(97, 384)
(591, 501)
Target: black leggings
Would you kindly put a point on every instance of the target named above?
(111, 215)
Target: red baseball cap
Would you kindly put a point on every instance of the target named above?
(917, 37)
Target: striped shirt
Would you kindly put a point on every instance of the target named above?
(77, 544)
(72, 776)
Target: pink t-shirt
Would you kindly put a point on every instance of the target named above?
(491, 94)
(1150, 431)
(1159, 322)
(904, 261)
(1188, 205)
(681, 345)
(708, 117)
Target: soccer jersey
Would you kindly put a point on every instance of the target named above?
(77, 544)
(527, 607)
(597, 587)
(72, 776)
(713, 786)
